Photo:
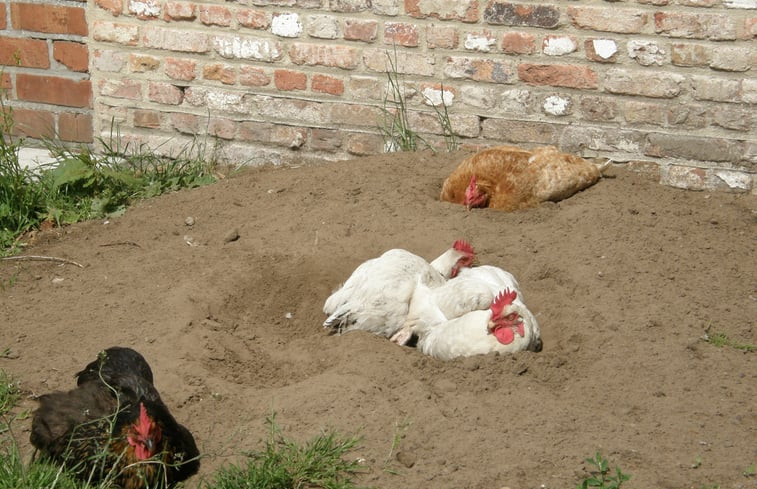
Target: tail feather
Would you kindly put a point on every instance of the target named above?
(604, 166)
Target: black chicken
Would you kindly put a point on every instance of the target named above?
(114, 426)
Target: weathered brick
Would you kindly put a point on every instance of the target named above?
(401, 33)
(749, 30)
(147, 118)
(483, 41)
(716, 89)
(349, 6)
(142, 63)
(558, 105)
(293, 110)
(716, 27)
(73, 55)
(480, 69)
(442, 37)
(286, 24)
(144, 9)
(636, 112)
(54, 90)
(185, 123)
(180, 69)
(222, 128)
(215, 15)
(403, 62)
(579, 137)
(323, 27)
(518, 100)
(601, 50)
(354, 114)
(216, 99)
(75, 127)
(165, 93)
(290, 80)
(5, 81)
(36, 124)
(53, 19)
(361, 144)
(29, 53)
(462, 10)
(327, 84)
(252, 76)
(275, 134)
(734, 118)
(515, 42)
(125, 34)
(174, 39)
(646, 53)
(253, 19)
(366, 88)
(697, 148)
(609, 19)
(3, 23)
(479, 96)
(437, 94)
(519, 131)
(729, 180)
(344, 57)
(498, 12)
(216, 71)
(647, 84)
(688, 116)
(126, 88)
(733, 58)
(749, 90)
(115, 7)
(178, 11)
(699, 3)
(558, 45)
(109, 60)
(243, 47)
(690, 54)
(686, 177)
(386, 7)
(558, 75)
(325, 139)
(360, 30)
(594, 108)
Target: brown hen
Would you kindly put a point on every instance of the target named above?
(511, 178)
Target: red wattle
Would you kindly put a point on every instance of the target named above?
(504, 335)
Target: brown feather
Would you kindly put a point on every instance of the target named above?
(515, 178)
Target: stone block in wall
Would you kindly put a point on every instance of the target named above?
(716, 89)
(734, 58)
(689, 54)
(598, 108)
(183, 40)
(115, 32)
(385, 60)
(325, 139)
(362, 144)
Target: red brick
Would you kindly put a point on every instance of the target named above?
(147, 118)
(5, 81)
(115, 7)
(142, 63)
(74, 55)
(48, 18)
(3, 23)
(401, 34)
(54, 90)
(33, 123)
(75, 127)
(29, 53)
(252, 76)
(290, 80)
(609, 19)
(215, 15)
(518, 43)
(462, 10)
(179, 11)
(360, 30)
(165, 93)
(327, 84)
(223, 73)
(180, 69)
(253, 19)
(442, 37)
(558, 75)
(498, 12)
(327, 55)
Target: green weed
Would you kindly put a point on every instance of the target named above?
(720, 339)
(601, 476)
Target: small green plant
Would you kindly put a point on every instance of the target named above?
(9, 393)
(398, 135)
(601, 475)
(284, 464)
(750, 471)
(450, 137)
(400, 428)
(719, 339)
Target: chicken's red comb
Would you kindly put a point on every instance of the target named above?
(503, 299)
(463, 246)
(143, 427)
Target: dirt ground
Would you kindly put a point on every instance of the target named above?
(625, 279)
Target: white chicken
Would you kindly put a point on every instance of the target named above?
(471, 290)
(506, 327)
(376, 297)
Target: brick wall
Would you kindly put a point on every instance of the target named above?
(44, 64)
(666, 85)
